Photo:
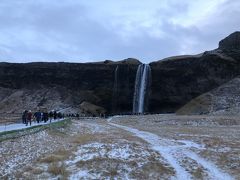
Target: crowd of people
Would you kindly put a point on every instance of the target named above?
(38, 116)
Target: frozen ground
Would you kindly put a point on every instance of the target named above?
(128, 147)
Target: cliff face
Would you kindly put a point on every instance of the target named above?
(108, 84)
(74, 83)
(177, 80)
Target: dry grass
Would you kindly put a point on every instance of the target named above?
(129, 137)
(52, 159)
(28, 168)
(57, 156)
(118, 135)
(112, 172)
(224, 158)
(57, 132)
(153, 170)
(37, 171)
(198, 173)
(100, 162)
(21, 174)
(58, 169)
(213, 142)
(107, 167)
(158, 167)
(85, 138)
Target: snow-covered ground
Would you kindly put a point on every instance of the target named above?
(126, 147)
(174, 151)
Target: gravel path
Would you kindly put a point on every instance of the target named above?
(18, 126)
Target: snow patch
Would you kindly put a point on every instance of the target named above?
(161, 146)
(82, 174)
(213, 171)
(123, 153)
(174, 151)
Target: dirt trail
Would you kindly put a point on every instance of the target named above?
(175, 151)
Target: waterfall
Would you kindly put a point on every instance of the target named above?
(115, 89)
(142, 84)
(115, 86)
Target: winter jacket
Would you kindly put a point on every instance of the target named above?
(29, 116)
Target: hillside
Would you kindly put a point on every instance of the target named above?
(224, 100)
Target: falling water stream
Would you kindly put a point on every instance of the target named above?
(142, 82)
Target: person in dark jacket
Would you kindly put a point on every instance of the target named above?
(38, 116)
(55, 115)
(45, 116)
(24, 117)
(29, 118)
(51, 116)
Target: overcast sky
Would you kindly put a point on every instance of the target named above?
(94, 30)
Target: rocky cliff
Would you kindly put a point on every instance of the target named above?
(223, 100)
(230, 42)
(177, 80)
(108, 84)
(63, 85)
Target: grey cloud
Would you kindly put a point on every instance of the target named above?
(71, 31)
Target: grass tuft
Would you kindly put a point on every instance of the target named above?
(58, 169)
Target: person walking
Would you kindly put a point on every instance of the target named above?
(55, 115)
(38, 116)
(24, 117)
(45, 116)
(29, 118)
(51, 116)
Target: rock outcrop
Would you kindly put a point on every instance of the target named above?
(224, 100)
(230, 42)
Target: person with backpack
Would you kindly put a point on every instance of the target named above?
(29, 118)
